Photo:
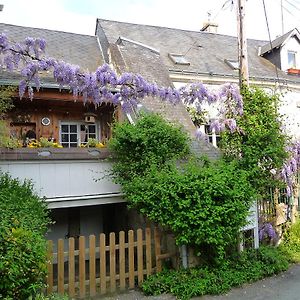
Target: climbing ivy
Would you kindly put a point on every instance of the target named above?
(259, 145)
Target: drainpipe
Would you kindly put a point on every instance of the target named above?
(184, 256)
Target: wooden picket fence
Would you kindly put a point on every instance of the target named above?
(97, 269)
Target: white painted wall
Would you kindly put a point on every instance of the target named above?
(291, 45)
(290, 109)
(54, 179)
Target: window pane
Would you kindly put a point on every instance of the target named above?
(64, 128)
(73, 145)
(65, 138)
(92, 129)
(92, 136)
(73, 138)
(292, 59)
(73, 128)
(65, 145)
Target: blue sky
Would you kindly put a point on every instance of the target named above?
(79, 16)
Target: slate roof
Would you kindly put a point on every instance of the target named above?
(278, 42)
(78, 49)
(205, 51)
(131, 56)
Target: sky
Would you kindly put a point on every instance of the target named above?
(79, 16)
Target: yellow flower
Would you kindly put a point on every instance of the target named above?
(100, 145)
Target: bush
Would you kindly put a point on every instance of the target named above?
(291, 242)
(251, 265)
(152, 141)
(23, 223)
(204, 204)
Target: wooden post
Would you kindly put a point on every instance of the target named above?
(92, 265)
(60, 267)
(112, 261)
(71, 267)
(131, 258)
(148, 252)
(81, 267)
(102, 264)
(140, 265)
(242, 44)
(157, 249)
(122, 259)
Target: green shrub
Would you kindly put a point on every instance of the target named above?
(249, 266)
(23, 223)
(291, 242)
(152, 141)
(204, 204)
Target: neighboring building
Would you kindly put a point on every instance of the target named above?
(191, 56)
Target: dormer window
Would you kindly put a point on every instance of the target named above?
(179, 59)
(292, 59)
(233, 64)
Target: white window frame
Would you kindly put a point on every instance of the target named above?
(294, 65)
(212, 136)
(78, 124)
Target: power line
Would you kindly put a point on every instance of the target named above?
(267, 22)
(292, 5)
(223, 7)
(289, 12)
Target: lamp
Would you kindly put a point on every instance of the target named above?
(90, 117)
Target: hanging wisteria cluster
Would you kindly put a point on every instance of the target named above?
(291, 167)
(104, 85)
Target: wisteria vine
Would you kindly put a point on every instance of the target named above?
(28, 59)
(291, 167)
(104, 85)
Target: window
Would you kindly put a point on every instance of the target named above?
(73, 134)
(233, 64)
(292, 59)
(179, 59)
(213, 138)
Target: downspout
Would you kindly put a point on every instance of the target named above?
(184, 256)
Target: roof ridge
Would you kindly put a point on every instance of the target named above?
(173, 28)
(51, 30)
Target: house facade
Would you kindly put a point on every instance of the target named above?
(71, 175)
(67, 174)
(73, 179)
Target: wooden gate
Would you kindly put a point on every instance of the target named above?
(104, 265)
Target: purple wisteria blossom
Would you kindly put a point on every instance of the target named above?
(104, 85)
(291, 167)
(266, 230)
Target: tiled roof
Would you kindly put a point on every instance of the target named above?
(77, 49)
(205, 51)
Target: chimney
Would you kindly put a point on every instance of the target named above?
(210, 27)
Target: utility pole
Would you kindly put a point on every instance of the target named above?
(242, 44)
(282, 24)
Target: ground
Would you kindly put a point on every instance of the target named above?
(284, 286)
